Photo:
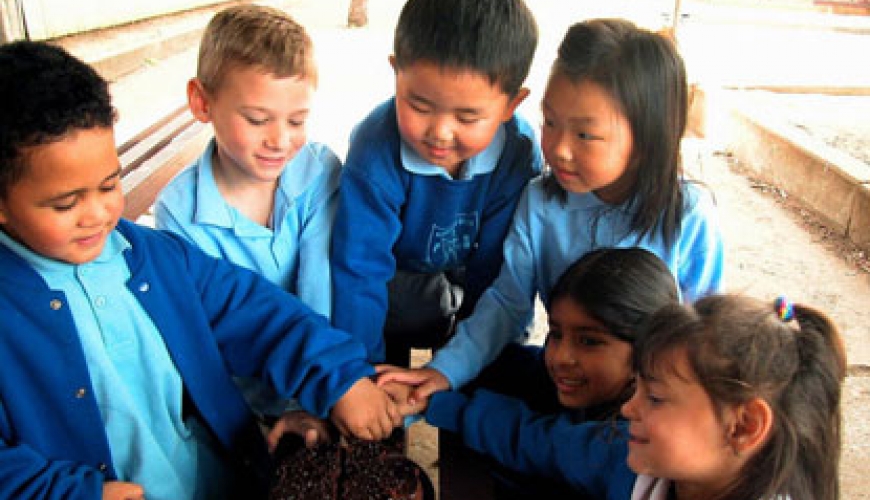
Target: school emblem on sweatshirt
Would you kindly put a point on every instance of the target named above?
(449, 246)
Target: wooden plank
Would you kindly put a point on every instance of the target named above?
(143, 183)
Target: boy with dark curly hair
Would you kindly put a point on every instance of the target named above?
(118, 342)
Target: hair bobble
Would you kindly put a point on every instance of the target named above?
(784, 308)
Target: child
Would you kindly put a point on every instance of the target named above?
(118, 342)
(260, 195)
(597, 310)
(614, 111)
(734, 400)
(433, 175)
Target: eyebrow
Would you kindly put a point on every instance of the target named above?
(115, 174)
(573, 119)
(267, 111)
(582, 329)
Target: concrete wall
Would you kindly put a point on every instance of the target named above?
(53, 18)
(827, 181)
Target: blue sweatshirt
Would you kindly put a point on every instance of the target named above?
(394, 213)
(591, 457)
(547, 236)
(216, 319)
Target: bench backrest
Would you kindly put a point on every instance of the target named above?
(151, 158)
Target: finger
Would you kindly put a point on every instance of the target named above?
(395, 392)
(394, 415)
(385, 368)
(423, 391)
(385, 427)
(312, 438)
(274, 435)
(402, 377)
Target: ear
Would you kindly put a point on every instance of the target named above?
(198, 100)
(514, 103)
(392, 60)
(753, 421)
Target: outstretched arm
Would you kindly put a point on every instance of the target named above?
(425, 381)
(589, 456)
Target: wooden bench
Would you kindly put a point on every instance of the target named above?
(152, 157)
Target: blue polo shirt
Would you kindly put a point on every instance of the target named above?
(136, 385)
(294, 252)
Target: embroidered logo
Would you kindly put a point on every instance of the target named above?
(448, 246)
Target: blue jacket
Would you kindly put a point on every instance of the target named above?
(390, 218)
(217, 320)
(590, 456)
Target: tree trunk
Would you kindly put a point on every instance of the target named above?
(357, 14)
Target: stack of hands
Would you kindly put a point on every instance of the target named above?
(370, 409)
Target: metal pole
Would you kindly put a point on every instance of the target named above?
(675, 19)
(12, 24)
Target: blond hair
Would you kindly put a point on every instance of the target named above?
(258, 36)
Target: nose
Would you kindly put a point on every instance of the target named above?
(563, 354)
(279, 136)
(629, 408)
(558, 147)
(94, 211)
(440, 129)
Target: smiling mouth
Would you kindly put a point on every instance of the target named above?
(272, 161)
(436, 150)
(565, 174)
(90, 240)
(635, 439)
(570, 384)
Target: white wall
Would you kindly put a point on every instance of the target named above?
(53, 18)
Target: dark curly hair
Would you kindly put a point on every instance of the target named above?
(47, 93)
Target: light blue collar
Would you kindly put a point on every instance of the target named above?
(482, 163)
(116, 244)
(212, 209)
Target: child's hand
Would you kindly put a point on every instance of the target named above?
(366, 411)
(400, 394)
(426, 380)
(117, 490)
(301, 423)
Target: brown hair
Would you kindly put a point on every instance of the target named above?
(740, 349)
(254, 35)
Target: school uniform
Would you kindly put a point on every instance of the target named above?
(204, 317)
(590, 457)
(293, 252)
(549, 233)
(399, 214)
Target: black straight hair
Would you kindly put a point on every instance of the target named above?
(645, 75)
(496, 38)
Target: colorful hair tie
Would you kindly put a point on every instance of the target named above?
(784, 308)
